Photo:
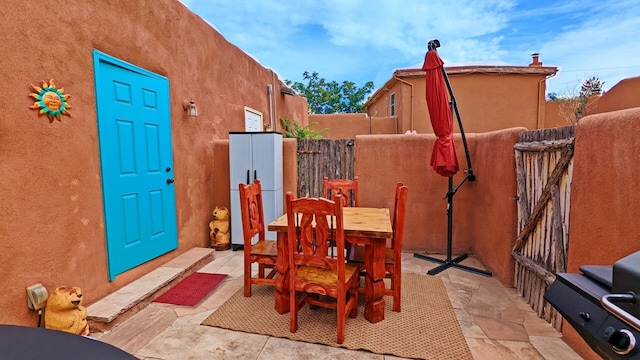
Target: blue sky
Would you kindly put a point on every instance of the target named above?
(360, 41)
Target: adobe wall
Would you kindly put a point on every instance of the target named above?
(605, 205)
(484, 211)
(52, 226)
(347, 126)
(340, 126)
(385, 125)
(624, 95)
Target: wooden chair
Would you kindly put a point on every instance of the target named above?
(393, 257)
(263, 252)
(348, 189)
(312, 222)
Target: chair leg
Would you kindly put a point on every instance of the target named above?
(293, 312)
(261, 271)
(353, 294)
(341, 317)
(396, 285)
(247, 279)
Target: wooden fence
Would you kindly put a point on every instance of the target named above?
(334, 159)
(544, 167)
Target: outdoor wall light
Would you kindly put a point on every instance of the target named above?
(190, 107)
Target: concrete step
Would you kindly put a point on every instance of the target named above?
(128, 300)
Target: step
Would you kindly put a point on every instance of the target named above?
(128, 300)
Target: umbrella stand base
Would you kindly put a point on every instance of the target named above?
(447, 263)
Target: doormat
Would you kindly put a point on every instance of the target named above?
(192, 289)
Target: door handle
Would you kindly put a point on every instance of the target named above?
(169, 181)
(255, 175)
(248, 174)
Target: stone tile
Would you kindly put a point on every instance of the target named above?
(190, 257)
(459, 294)
(468, 326)
(284, 349)
(234, 267)
(501, 330)
(517, 299)
(523, 350)
(188, 310)
(487, 349)
(514, 315)
(109, 307)
(203, 342)
(553, 348)
(489, 302)
(133, 334)
(222, 293)
(536, 326)
(221, 258)
(467, 279)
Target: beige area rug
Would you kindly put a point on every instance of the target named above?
(426, 328)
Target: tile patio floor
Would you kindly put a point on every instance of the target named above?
(497, 323)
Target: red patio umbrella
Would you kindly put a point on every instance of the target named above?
(443, 158)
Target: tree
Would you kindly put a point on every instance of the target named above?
(326, 97)
(573, 108)
(292, 129)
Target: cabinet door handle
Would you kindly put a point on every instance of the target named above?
(255, 174)
(248, 174)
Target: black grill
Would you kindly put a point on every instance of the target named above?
(603, 305)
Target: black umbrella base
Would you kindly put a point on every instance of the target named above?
(448, 262)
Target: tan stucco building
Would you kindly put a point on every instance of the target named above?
(488, 97)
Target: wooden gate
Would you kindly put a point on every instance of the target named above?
(544, 167)
(334, 159)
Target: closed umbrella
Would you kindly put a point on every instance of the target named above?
(443, 158)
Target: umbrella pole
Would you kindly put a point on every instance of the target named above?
(449, 262)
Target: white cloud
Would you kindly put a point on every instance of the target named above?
(359, 40)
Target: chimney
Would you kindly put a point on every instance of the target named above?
(536, 61)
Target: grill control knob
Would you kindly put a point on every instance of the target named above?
(622, 341)
(584, 316)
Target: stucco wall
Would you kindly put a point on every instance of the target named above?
(494, 206)
(51, 207)
(347, 126)
(624, 95)
(605, 205)
(484, 211)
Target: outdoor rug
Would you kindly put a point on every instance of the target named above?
(426, 328)
(191, 289)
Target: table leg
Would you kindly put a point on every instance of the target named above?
(374, 280)
(282, 275)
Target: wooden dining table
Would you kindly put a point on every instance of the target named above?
(370, 227)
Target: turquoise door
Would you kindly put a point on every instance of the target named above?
(134, 130)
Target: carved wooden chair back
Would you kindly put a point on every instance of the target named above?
(263, 252)
(312, 224)
(394, 267)
(348, 189)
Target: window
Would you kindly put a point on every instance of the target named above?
(392, 104)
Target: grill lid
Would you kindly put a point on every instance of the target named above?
(626, 278)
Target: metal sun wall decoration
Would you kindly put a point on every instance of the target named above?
(50, 100)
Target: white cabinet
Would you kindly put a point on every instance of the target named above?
(255, 155)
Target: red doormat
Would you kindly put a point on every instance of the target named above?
(191, 289)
